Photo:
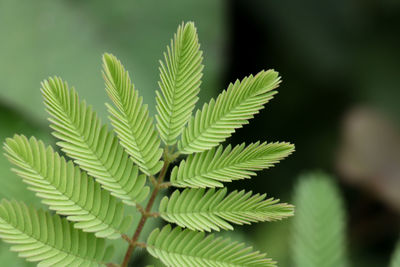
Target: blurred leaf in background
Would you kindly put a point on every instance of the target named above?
(319, 227)
(395, 261)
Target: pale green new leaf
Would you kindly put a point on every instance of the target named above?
(218, 119)
(177, 247)
(92, 146)
(131, 119)
(198, 209)
(395, 261)
(180, 79)
(66, 189)
(212, 167)
(49, 240)
(319, 237)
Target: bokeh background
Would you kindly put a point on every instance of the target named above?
(339, 101)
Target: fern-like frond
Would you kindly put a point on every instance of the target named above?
(180, 78)
(92, 146)
(319, 225)
(49, 240)
(395, 261)
(177, 247)
(131, 119)
(66, 189)
(198, 209)
(219, 118)
(212, 167)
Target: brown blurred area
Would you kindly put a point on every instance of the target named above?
(368, 162)
(369, 155)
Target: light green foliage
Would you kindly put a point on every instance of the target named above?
(395, 261)
(202, 210)
(11, 187)
(210, 168)
(180, 75)
(50, 240)
(109, 171)
(177, 247)
(65, 189)
(319, 224)
(92, 146)
(131, 121)
(219, 118)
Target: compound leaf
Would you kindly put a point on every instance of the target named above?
(177, 247)
(198, 209)
(180, 78)
(131, 119)
(212, 167)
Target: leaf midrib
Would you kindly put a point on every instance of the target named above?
(214, 212)
(175, 74)
(133, 133)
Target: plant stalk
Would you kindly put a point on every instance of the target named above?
(146, 214)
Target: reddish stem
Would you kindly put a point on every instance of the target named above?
(145, 215)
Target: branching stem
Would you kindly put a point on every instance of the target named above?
(141, 244)
(147, 211)
(165, 185)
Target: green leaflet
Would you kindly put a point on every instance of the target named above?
(177, 247)
(131, 119)
(180, 78)
(319, 225)
(198, 209)
(92, 146)
(395, 261)
(49, 240)
(66, 189)
(212, 167)
(218, 119)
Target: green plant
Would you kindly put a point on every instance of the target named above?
(319, 228)
(318, 231)
(109, 172)
(395, 260)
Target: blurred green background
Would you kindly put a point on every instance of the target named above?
(339, 100)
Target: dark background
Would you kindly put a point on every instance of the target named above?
(338, 102)
(340, 63)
